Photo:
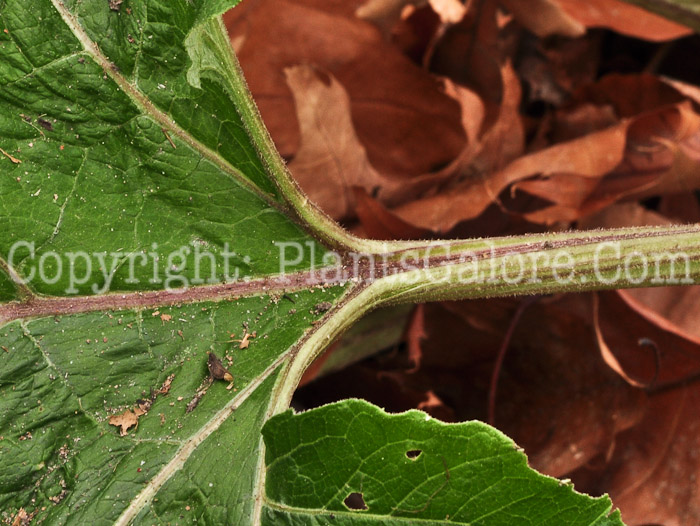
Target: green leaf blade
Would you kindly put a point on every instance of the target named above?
(113, 140)
(62, 378)
(409, 467)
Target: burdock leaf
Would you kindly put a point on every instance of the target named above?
(145, 218)
(364, 466)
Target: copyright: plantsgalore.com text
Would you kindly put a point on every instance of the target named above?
(606, 263)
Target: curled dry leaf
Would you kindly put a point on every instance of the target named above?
(329, 146)
(385, 13)
(648, 472)
(568, 173)
(660, 149)
(645, 354)
(502, 142)
(544, 17)
(673, 309)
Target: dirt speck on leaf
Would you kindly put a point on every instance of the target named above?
(23, 518)
(45, 124)
(324, 306)
(245, 342)
(126, 420)
(10, 157)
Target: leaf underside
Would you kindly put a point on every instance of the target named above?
(409, 468)
(125, 133)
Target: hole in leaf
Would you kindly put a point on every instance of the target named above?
(413, 454)
(356, 502)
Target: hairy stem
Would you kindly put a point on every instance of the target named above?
(672, 10)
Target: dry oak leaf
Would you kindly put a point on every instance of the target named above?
(329, 146)
(587, 406)
(644, 353)
(126, 420)
(556, 397)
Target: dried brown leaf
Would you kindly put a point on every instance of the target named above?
(647, 474)
(396, 105)
(650, 475)
(377, 222)
(385, 13)
(330, 160)
(415, 334)
(544, 17)
(673, 309)
(661, 156)
(502, 142)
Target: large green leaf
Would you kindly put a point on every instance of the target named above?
(129, 144)
(407, 469)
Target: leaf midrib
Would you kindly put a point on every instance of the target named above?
(40, 306)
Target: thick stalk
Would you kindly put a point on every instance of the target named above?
(535, 264)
